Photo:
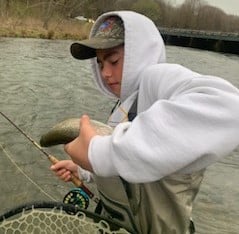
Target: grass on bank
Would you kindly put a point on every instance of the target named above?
(33, 28)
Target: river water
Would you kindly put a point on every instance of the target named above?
(41, 84)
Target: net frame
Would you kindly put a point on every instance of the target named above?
(11, 220)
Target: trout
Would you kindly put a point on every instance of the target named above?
(67, 130)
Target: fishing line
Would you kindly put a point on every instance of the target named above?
(82, 194)
(15, 164)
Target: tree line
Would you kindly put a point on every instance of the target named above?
(192, 14)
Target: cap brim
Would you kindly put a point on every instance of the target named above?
(86, 49)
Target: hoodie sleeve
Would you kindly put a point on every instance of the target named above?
(186, 122)
(84, 175)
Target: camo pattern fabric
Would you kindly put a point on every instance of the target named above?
(112, 27)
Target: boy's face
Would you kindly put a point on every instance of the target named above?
(110, 63)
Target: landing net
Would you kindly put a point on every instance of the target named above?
(55, 218)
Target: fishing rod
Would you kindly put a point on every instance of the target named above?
(77, 182)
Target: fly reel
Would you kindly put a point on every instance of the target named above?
(77, 197)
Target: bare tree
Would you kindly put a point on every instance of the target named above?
(4, 7)
(211, 18)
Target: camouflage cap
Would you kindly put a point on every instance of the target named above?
(109, 34)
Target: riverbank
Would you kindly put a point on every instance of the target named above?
(33, 28)
(29, 27)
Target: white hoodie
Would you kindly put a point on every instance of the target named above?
(186, 121)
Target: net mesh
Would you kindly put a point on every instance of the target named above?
(53, 218)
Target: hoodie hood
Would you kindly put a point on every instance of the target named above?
(143, 46)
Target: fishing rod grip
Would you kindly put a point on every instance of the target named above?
(76, 181)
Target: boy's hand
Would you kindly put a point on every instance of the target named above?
(78, 148)
(64, 168)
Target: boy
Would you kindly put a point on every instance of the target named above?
(148, 172)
